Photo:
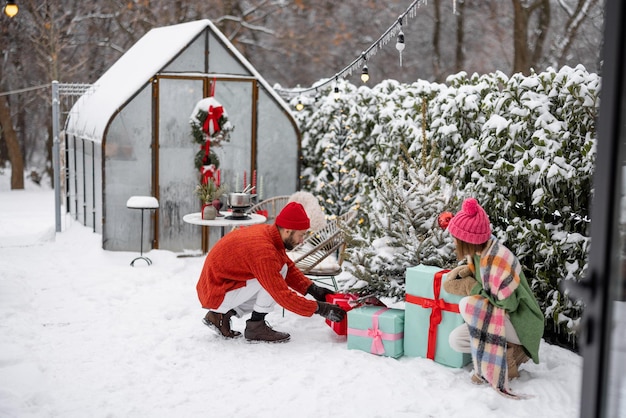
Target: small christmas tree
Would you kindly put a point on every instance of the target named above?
(405, 231)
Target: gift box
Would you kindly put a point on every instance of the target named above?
(347, 301)
(431, 314)
(376, 330)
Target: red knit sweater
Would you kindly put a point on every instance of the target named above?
(253, 252)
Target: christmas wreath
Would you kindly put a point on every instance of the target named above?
(210, 128)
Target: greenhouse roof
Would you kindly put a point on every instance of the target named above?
(91, 114)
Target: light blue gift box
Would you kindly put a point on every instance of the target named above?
(419, 282)
(362, 335)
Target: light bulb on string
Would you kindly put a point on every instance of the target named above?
(10, 9)
(365, 74)
(400, 42)
(337, 94)
(400, 45)
(299, 105)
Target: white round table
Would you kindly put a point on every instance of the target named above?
(225, 220)
(222, 221)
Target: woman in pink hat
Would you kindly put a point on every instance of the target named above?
(503, 321)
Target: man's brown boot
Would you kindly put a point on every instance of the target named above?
(221, 323)
(515, 355)
(260, 331)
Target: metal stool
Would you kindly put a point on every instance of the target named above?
(143, 203)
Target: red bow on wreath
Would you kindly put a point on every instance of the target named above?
(211, 124)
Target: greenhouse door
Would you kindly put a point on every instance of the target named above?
(602, 339)
(176, 174)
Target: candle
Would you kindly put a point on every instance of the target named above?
(254, 181)
(218, 177)
(245, 179)
(261, 189)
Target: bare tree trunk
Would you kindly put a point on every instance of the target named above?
(13, 146)
(520, 38)
(436, 38)
(543, 26)
(460, 32)
(526, 56)
(576, 17)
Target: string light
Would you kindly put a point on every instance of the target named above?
(400, 42)
(387, 36)
(299, 105)
(10, 9)
(365, 72)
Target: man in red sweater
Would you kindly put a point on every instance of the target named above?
(248, 270)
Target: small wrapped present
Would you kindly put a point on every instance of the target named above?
(431, 315)
(376, 330)
(347, 301)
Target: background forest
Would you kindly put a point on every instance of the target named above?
(291, 43)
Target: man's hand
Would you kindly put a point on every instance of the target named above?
(319, 292)
(330, 311)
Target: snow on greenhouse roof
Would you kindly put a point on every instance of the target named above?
(91, 114)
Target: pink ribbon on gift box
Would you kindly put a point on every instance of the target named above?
(376, 334)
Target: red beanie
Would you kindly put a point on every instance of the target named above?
(471, 223)
(293, 216)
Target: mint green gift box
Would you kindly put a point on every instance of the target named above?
(417, 327)
(389, 333)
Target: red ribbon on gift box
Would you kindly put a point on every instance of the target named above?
(347, 301)
(437, 305)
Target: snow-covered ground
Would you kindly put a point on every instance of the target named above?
(82, 333)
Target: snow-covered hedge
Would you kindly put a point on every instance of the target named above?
(523, 146)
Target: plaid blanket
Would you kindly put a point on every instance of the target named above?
(499, 271)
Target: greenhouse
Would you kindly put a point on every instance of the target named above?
(130, 135)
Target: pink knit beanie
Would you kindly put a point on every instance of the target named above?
(471, 223)
(293, 216)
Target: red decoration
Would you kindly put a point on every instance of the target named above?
(211, 124)
(207, 172)
(437, 305)
(444, 219)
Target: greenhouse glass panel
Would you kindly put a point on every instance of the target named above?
(80, 181)
(128, 170)
(222, 58)
(236, 155)
(177, 99)
(89, 199)
(191, 59)
(279, 141)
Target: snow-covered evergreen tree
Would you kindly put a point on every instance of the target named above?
(406, 232)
